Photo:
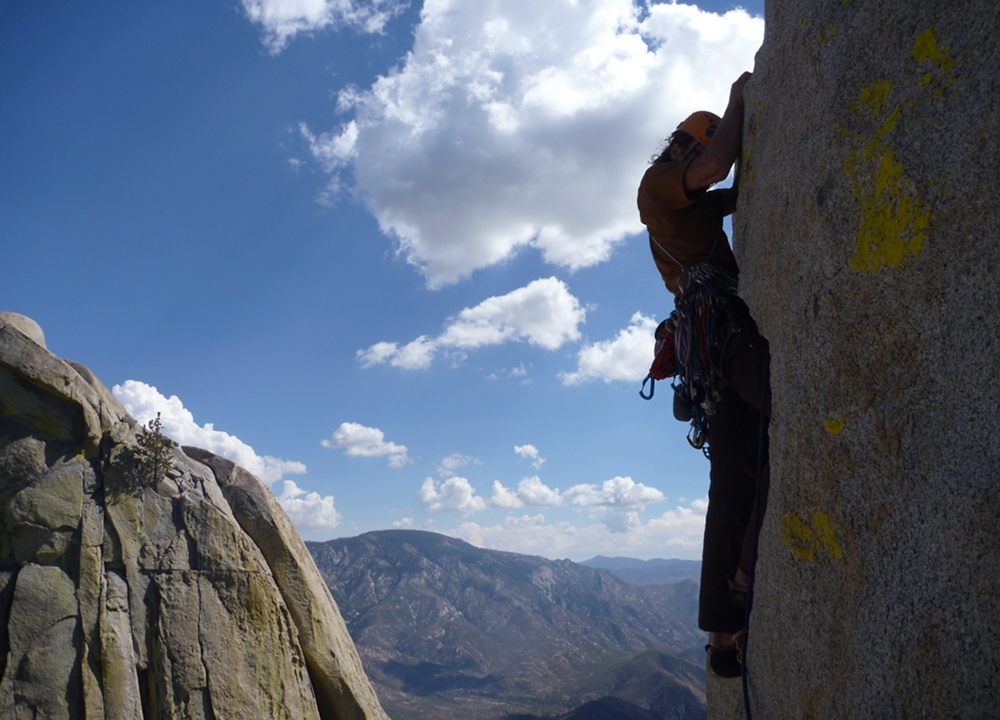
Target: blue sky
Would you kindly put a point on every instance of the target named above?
(384, 254)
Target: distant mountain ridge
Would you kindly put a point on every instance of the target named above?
(448, 630)
(647, 572)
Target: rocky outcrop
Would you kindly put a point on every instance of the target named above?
(867, 236)
(192, 597)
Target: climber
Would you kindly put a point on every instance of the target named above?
(722, 358)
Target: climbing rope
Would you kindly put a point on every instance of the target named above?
(762, 445)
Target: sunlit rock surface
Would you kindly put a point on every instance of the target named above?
(194, 598)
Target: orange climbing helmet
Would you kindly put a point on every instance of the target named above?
(701, 126)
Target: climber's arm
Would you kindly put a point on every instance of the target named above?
(714, 163)
(730, 195)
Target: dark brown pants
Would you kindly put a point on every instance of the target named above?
(736, 448)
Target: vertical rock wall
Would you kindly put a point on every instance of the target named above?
(868, 239)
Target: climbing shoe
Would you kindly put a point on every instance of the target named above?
(724, 661)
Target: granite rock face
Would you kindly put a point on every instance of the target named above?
(193, 598)
(867, 237)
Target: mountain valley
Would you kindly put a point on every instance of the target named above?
(447, 630)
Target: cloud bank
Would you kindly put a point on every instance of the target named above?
(543, 313)
(621, 499)
(514, 124)
(307, 510)
(675, 533)
(617, 502)
(356, 440)
(626, 357)
(454, 495)
(281, 20)
(531, 492)
(144, 401)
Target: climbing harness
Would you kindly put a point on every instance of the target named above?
(704, 324)
(700, 326)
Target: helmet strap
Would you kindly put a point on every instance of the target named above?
(691, 149)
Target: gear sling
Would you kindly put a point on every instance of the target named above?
(690, 342)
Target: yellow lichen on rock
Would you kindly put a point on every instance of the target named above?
(893, 216)
(926, 49)
(834, 427)
(806, 540)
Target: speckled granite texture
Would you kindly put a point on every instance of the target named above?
(867, 235)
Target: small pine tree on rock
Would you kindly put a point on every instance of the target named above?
(152, 460)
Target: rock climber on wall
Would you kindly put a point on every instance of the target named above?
(721, 358)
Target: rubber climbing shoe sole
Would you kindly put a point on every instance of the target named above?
(725, 663)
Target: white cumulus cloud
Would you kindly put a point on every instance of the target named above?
(529, 452)
(281, 20)
(455, 461)
(309, 510)
(534, 492)
(619, 499)
(618, 492)
(503, 497)
(542, 313)
(357, 440)
(530, 492)
(515, 123)
(454, 495)
(415, 355)
(144, 402)
(626, 357)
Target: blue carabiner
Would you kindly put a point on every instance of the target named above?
(652, 388)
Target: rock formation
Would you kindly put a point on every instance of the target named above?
(867, 236)
(190, 597)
